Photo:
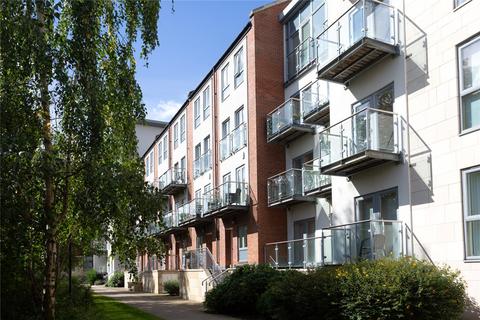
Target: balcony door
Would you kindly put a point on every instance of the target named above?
(303, 251)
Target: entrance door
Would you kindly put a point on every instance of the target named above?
(303, 251)
(228, 247)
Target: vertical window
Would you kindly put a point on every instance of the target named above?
(242, 244)
(318, 18)
(150, 157)
(207, 188)
(471, 211)
(175, 136)
(469, 56)
(165, 147)
(198, 194)
(147, 166)
(196, 112)
(183, 163)
(206, 144)
(238, 117)
(240, 174)
(225, 82)
(160, 150)
(198, 151)
(226, 178)
(225, 128)
(182, 128)
(206, 103)
(238, 67)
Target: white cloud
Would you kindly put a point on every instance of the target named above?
(164, 110)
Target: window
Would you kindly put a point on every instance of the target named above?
(197, 163)
(206, 103)
(196, 112)
(225, 82)
(378, 205)
(238, 67)
(160, 158)
(471, 211)
(206, 144)
(165, 147)
(147, 166)
(175, 136)
(225, 128)
(183, 163)
(198, 151)
(182, 128)
(242, 244)
(238, 117)
(469, 60)
(207, 188)
(240, 174)
(226, 178)
(198, 194)
(149, 161)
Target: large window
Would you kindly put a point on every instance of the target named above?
(206, 103)
(242, 244)
(469, 65)
(175, 136)
(225, 82)
(238, 117)
(182, 128)
(196, 112)
(165, 147)
(381, 205)
(471, 211)
(238, 67)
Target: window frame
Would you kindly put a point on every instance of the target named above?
(235, 117)
(461, 92)
(238, 75)
(175, 135)
(165, 147)
(225, 81)
(465, 209)
(206, 102)
(196, 112)
(241, 236)
(182, 128)
(160, 152)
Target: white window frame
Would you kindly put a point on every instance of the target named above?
(466, 209)
(206, 102)
(165, 148)
(196, 112)
(225, 82)
(239, 66)
(160, 151)
(465, 92)
(240, 246)
(175, 136)
(239, 111)
(151, 162)
(182, 128)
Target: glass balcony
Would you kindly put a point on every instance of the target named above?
(360, 37)
(190, 212)
(172, 181)
(285, 122)
(233, 142)
(315, 183)
(286, 188)
(315, 106)
(170, 220)
(226, 198)
(366, 139)
(202, 164)
(301, 57)
(225, 147)
(370, 239)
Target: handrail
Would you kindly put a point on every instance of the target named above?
(419, 243)
(282, 105)
(281, 173)
(296, 49)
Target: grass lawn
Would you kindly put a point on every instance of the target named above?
(111, 309)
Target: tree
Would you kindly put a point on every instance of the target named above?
(69, 167)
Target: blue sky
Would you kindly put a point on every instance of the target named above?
(192, 39)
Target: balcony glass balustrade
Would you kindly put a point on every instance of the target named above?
(365, 139)
(233, 142)
(358, 38)
(315, 106)
(228, 196)
(172, 179)
(370, 239)
(202, 164)
(286, 188)
(301, 57)
(315, 183)
(170, 220)
(285, 123)
(190, 211)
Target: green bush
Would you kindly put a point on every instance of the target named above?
(92, 275)
(299, 295)
(172, 287)
(116, 279)
(404, 288)
(77, 306)
(239, 292)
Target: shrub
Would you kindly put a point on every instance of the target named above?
(99, 282)
(116, 279)
(298, 295)
(239, 292)
(172, 287)
(77, 306)
(92, 275)
(404, 288)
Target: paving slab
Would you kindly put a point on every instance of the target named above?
(161, 305)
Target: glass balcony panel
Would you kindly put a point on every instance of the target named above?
(178, 176)
(285, 185)
(197, 167)
(369, 129)
(225, 147)
(239, 137)
(283, 117)
(300, 57)
(312, 178)
(207, 161)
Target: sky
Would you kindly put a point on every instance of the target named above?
(192, 38)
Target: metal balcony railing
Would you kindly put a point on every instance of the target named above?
(367, 130)
(233, 142)
(366, 19)
(313, 103)
(202, 164)
(173, 176)
(301, 57)
(284, 186)
(369, 239)
(190, 211)
(229, 194)
(313, 180)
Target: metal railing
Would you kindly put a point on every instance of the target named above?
(284, 116)
(230, 193)
(365, 19)
(201, 258)
(285, 185)
(300, 57)
(202, 164)
(368, 129)
(312, 178)
(233, 142)
(172, 176)
(368, 239)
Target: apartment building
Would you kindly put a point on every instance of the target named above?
(380, 134)
(212, 160)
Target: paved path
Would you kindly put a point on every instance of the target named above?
(162, 305)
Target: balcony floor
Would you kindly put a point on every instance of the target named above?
(174, 188)
(359, 162)
(320, 192)
(355, 59)
(290, 133)
(169, 231)
(228, 209)
(320, 115)
(288, 201)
